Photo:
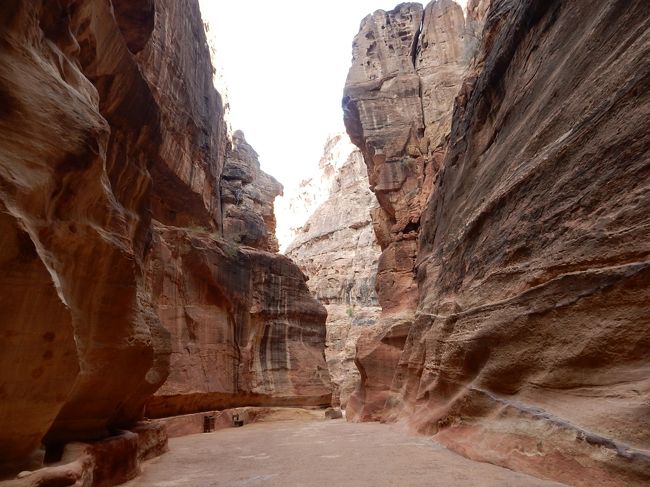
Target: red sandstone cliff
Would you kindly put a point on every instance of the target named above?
(530, 340)
(407, 67)
(79, 332)
(112, 149)
(244, 327)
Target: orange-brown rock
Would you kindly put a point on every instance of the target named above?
(407, 67)
(245, 330)
(78, 130)
(108, 117)
(530, 344)
(248, 194)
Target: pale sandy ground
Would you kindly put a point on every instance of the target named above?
(320, 453)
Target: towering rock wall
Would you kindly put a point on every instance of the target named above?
(176, 64)
(244, 330)
(529, 347)
(78, 131)
(112, 146)
(336, 248)
(407, 67)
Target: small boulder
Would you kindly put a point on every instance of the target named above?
(333, 413)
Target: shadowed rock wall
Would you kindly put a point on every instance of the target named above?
(74, 232)
(529, 346)
(112, 148)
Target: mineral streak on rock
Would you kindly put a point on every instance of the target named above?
(336, 248)
(245, 329)
(529, 347)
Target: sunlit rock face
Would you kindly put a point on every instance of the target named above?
(336, 248)
(407, 68)
(112, 148)
(300, 201)
(248, 195)
(529, 347)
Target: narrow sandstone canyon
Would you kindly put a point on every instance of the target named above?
(469, 262)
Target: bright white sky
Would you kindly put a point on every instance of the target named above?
(285, 63)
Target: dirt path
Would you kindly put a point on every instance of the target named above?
(320, 453)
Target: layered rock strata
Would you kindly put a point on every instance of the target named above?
(245, 329)
(407, 67)
(530, 343)
(336, 248)
(112, 148)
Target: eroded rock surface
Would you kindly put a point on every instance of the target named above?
(529, 347)
(248, 194)
(112, 149)
(78, 329)
(407, 67)
(336, 248)
(245, 329)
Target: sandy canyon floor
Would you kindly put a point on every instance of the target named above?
(320, 453)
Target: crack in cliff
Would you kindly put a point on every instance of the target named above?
(415, 50)
(416, 42)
